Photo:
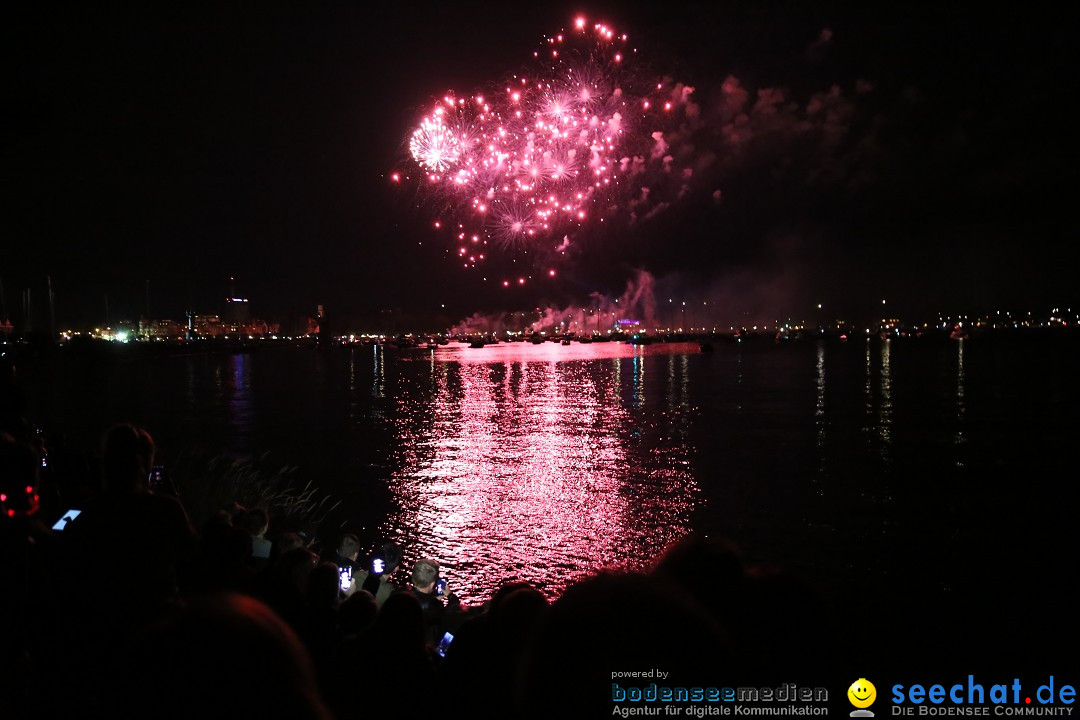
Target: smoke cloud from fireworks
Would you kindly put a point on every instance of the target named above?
(600, 314)
(563, 163)
(739, 299)
(591, 139)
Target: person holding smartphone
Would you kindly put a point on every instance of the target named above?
(377, 579)
(431, 590)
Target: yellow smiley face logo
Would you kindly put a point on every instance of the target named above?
(862, 693)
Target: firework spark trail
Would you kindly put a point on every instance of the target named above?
(527, 166)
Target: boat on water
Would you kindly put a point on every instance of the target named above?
(476, 344)
(959, 333)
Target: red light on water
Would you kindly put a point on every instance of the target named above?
(507, 484)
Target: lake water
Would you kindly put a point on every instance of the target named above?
(922, 473)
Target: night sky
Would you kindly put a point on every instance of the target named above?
(182, 147)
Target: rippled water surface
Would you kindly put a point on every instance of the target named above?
(922, 468)
(542, 462)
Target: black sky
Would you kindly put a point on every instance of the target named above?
(184, 146)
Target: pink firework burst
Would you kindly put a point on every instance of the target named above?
(543, 154)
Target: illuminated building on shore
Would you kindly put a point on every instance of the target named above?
(209, 326)
(237, 311)
(161, 329)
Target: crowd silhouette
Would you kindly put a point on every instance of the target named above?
(128, 611)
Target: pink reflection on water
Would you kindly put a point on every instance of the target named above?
(542, 463)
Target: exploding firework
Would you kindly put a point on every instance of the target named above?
(435, 146)
(527, 166)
